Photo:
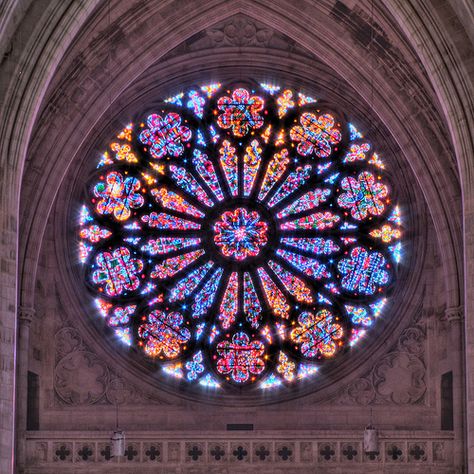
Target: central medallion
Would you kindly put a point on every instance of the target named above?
(240, 233)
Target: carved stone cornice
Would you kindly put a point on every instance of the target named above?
(26, 314)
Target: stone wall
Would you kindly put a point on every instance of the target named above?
(68, 66)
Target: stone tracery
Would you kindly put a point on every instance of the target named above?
(242, 212)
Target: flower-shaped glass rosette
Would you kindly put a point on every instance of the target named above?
(164, 334)
(317, 334)
(240, 234)
(241, 112)
(363, 195)
(316, 135)
(118, 196)
(254, 254)
(364, 271)
(240, 357)
(117, 271)
(165, 135)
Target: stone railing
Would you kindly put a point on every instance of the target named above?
(225, 451)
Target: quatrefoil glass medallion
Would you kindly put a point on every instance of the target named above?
(241, 235)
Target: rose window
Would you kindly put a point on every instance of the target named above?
(240, 236)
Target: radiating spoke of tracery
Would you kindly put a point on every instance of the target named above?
(246, 232)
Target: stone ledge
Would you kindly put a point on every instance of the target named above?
(59, 451)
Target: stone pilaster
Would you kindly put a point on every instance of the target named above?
(25, 317)
(455, 317)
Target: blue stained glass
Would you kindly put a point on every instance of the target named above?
(395, 216)
(176, 100)
(260, 179)
(323, 300)
(271, 382)
(206, 295)
(252, 307)
(309, 200)
(396, 251)
(199, 330)
(188, 183)
(324, 167)
(132, 226)
(174, 370)
(363, 271)
(214, 135)
(332, 178)
(377, 307)
(206, 170)
(316, 245)
(270, 88)
(293, 181)
(359, 315)
(347, 226)
(194, 366)
(354, 134)
(132, 240)
(196, 103)
(200, 138)
(188, 284)
(209, 381)
(309, 266)
(85, 216)
(307, 370)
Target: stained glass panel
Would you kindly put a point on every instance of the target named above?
(240, 236)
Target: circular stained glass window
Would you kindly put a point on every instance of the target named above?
(241, 235)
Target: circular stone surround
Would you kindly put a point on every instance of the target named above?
(267, 302)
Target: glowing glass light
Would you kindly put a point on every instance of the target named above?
(294, 285)
(308, 201)
(229, 164)
(317, 334)
(188, 183)
(252, 159)
(241, 112)
(240, 234)
(165, 135)
(247, 232)
(175, 202)
(275, 298)
(117, 271)
(295, 180)
(240, 357)
(173, 265)
(206, 295)
(118, 196)
(275, 170)
(206, 170)
(164, 334)
(252, 307)
(230, 305)
(165, 245)
(316, 134)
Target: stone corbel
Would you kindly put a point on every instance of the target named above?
(26, 315)
(454, 314)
